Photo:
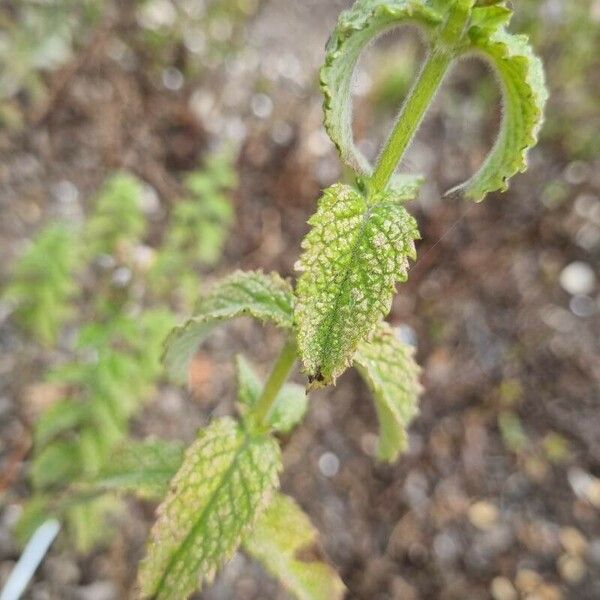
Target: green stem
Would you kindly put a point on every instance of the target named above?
(421, 95)
(281, 370)
(410, 118)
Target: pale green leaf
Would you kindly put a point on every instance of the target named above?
(290, 404)
(524, 94)
(282, 535)
(254, 294)
(88, 523)
(143, 468)
(353, 256)
(355, 29)
(35, 511)
(57, 419)
(43, 285)
(389, 368)
(224, 484)
(56, 463)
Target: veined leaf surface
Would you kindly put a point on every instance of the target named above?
(253, 294)
(224, 484)
(389, 369)
(280, 536)
(356, 251)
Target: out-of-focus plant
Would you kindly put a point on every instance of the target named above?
(37, 37)
(196, 231)
(568, 34)
(42, 287)
(114, 363)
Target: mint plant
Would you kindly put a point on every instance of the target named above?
(66, 281)
(362, 238)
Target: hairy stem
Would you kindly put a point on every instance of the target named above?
(421, 95)
(279, 374)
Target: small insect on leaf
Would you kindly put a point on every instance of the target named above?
(226, 481)
(356, 251)
(253, 294)
(281, 536)
(389, 369)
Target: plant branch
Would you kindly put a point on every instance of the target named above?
(279, 374)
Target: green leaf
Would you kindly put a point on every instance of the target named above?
(356, 251)
(43, 285)
(57, 463)
(355, 29)
(57, 419)
(36, 510)
(144, 468)
(524, 93)
(282, 535)
(290, 404)
(389, 369)
(224, 484)
(87, 522)
(253, 294)
(117, 217)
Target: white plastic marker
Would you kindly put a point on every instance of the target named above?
(32, 556)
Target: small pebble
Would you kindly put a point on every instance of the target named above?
(578, 278)
(573, 541)
(527, 580)
(329, 464)
(483, 514)
(99, 590)
(582, 306)
(571, 568)
(503, 589)
(549, 592)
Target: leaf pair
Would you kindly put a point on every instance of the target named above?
(519, 71)
(386, 363)
(223, 496)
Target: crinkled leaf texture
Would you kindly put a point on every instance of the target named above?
(143, 468)
(355, 28)
(226, 481)
(356, 251)
(282, 535)
(389, 369)
(521, 75)
(290, 404)
(254, 294)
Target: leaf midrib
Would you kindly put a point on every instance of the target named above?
(205, 511)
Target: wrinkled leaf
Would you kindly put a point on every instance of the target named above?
(355, 29)
(281, 540)
(389, 369)
(254, 294)
(524, 93)
(356, 251)
(224, 484)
